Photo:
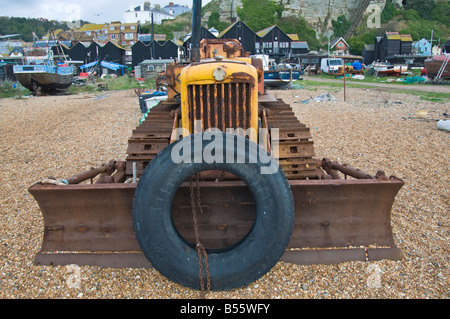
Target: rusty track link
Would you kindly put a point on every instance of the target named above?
(296, 148)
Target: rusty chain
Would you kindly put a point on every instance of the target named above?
(199, 247)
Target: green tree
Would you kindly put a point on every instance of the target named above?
(299, 26)
(389, 12)
(340, 26)
(259, 14)
(214, 21)
(441, 13)
(356, 45)
(423, 7)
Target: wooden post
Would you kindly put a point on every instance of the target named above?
(344, 83)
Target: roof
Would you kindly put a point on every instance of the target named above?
(299, 45)
(227, 29)
(92, 27)
(265, 31)
(392, 35)
(294, 37)
(406, 37)
(153, 10)
(397, 36)
(336, 40)
(9, 36)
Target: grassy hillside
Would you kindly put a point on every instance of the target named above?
(26, 27)
(417, 18)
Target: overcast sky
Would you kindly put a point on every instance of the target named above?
(97, 11)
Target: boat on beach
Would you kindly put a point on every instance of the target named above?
(437, 64)
(388, 69)
(40, 73)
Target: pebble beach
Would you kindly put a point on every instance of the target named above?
(373, 129)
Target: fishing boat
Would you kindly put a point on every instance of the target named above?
(438, 65)
(41, 74)
(281, 74)
(383, 68)
(277, 75)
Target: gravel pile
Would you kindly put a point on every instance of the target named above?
(63, 135)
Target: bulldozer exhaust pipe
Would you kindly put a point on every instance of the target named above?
(196, 30)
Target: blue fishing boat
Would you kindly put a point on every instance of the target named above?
(281, 74)
(41, 74)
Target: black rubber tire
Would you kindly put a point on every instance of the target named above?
(241, 264)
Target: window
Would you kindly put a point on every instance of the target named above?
(112, 28)
(88, 33)
(151, 68)
(113, 36)
(133, 27)
(128, 36)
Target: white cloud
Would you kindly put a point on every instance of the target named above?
(97, 11)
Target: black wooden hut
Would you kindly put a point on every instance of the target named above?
(166, 50)
(140, 51)
(368, 53)
(204, 34)
(377, 45)
(143, 51)
(246, 36)
(446, 46)
(112, 52)
(391, 44)
(94, 52)
(274, 42)
(405, 44)
(78, 52)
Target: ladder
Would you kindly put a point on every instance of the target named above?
(443, 66)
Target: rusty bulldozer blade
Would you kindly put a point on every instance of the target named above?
(336, 220)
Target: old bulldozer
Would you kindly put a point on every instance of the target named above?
(220, 183)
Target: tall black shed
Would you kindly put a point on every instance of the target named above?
(78, 52)
(113, 53)
(246, 36)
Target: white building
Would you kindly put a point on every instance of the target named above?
(176, 9)
(143, 14)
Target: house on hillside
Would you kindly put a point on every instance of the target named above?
(91, 32)
(274, 42)
(421, 47)
(339, 46)
(123, 34)
(175, 9)
(145, 13)
(240, 31)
